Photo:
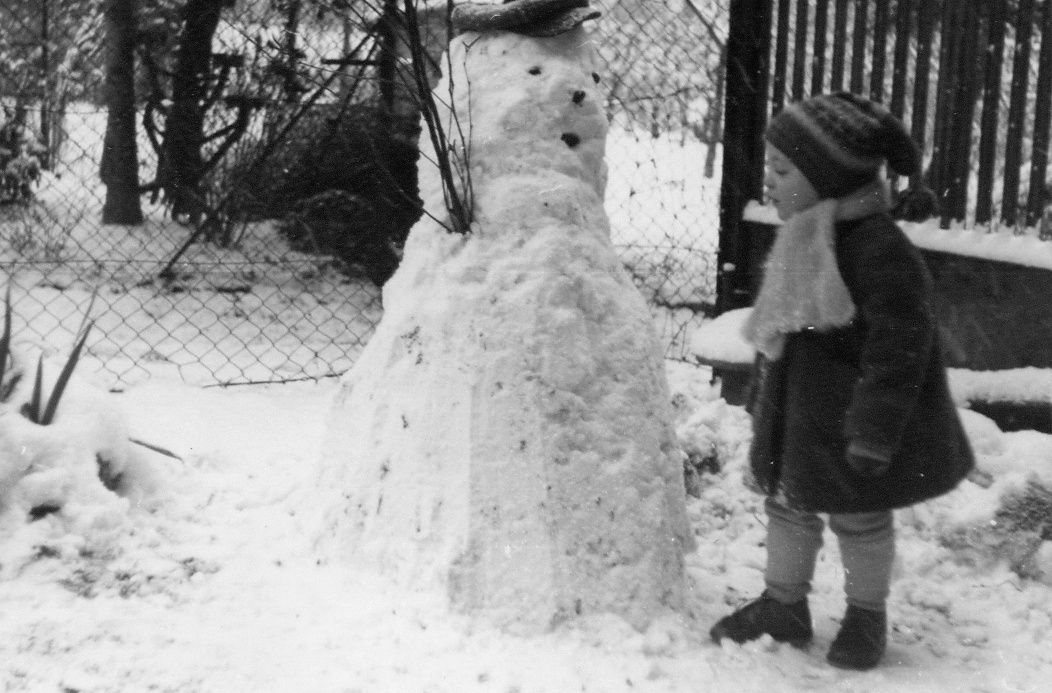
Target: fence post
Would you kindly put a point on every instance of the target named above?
(922, 69)
(902, 52)
(836, 75)
(745, 117)
(858, 45)
(880, 47)
(1017, 111)
(995, 50)
(800, 49)
(818, 65)
(958, 154)
(781, 56)
(1042, 120)
(945, 90)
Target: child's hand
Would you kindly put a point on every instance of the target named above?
(866, 462)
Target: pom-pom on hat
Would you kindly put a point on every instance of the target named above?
(838, 141)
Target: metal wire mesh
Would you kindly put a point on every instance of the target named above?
(230, 297)
(663, 64)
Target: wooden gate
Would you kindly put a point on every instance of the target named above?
(943, 66)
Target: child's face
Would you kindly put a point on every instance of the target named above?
(787, 189)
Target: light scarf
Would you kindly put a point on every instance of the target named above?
(802, 287)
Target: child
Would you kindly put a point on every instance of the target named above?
(852, 416)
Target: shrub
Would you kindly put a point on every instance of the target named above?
(345, 225)
(350, 171)
(38, 409)
(1014, 535)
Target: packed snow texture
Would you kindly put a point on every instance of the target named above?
(213, 585)
(506, 434)
(721, 338)
(203, 577)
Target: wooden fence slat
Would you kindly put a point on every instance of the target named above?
(880, 47)
(949, 44)
(1042, 121)
(1017, 111)
(960, 145)
(858, 45)
(818, 60)
(995, 50)
(971, 38)
(836, 75)
(800, 49)
(919, 121)
(781, 57)
(902, 53)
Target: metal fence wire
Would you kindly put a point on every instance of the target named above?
(264, 241)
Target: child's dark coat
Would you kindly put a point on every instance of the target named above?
(879, 382)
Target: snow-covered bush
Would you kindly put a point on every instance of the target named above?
(68, 469)
(1014, 534)
(80, 458)
(1002, 514)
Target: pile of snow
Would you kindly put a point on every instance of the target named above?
(65, 488)
(721, 339)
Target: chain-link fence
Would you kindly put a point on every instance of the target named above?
(264, 240)
(664, 70)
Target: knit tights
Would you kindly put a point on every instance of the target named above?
(867, 548)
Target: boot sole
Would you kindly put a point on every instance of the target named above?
(853, 664)
(717, 634)
(799, 643)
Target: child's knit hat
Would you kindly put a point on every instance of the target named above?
(838, 141)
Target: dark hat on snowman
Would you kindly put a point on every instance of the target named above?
(839, 141)
(529, 17)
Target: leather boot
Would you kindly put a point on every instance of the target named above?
(861, 641)
(789, 623)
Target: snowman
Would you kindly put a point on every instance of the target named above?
(505, 437)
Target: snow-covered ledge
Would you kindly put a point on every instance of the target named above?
(992, 303)
(1003, 246)
(991, 288)
(506, 436)
(720, 342)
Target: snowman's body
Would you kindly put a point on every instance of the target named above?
(506, 433)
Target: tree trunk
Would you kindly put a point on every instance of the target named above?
(183, 161)
(119, 169)
(47, 83)
(292, 87)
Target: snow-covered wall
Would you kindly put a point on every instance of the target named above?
(991, 291)
(506, 435)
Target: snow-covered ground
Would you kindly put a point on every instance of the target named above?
(212, 582)
(205, 576)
